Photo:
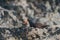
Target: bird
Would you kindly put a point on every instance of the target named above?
(40, 25)
(37, 25)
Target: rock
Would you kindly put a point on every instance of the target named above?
(29, 20)
(11, 38)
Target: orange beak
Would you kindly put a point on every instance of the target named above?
(25, 21)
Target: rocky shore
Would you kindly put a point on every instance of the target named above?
(29, 19)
